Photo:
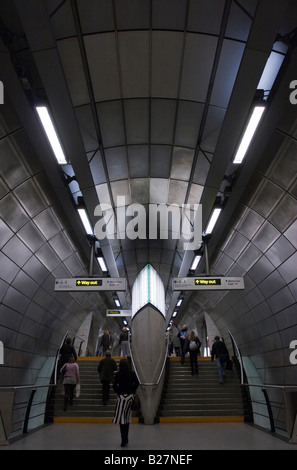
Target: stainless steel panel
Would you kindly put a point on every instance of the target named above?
(12, 212)
(280, 251)
(5, 233)
(281, 300)
(15, 300)
(17, 251)
(265, 236)
(12, 169)
(47, 223)
(8, 269)
(285, 213)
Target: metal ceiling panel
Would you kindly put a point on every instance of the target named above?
(177, 192)
(239, 22)
(12, 212)
(250, 224)
(61, 18)
(267, 197)
(121, 189)
(95, 16)
(30, 198)
(134, 54)
(17, 251)
(182, 160)
(212, 129)
(97, 168)
(137, 121)
(139, 161)
(132, 14)
(8, 268)
(140, 190)
(117, 165)
(250, 255)
(13, 171)
(187, 123)
(160, 161)
(47, 223)
(87, 129)
(162, 121)
(199, 55)
(5, 233)
(284, 171)
(284, 214)
(103, 65)
(167, 48)
(73, 67)
(236, 245)
(265, 236)
(60, 243)
(195, 194)
(111, 123)
(159, 188)
(280, 251)
(206, 17)
(169, 14)
(230, 58)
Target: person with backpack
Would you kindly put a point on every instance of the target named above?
(192, 345)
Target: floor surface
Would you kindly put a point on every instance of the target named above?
(163, 436)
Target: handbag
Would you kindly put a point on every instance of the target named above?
(136, 405)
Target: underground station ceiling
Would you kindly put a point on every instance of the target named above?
(150, 99)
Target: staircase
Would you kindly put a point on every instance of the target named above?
(200, 398)
(88, 407)
(185, 398)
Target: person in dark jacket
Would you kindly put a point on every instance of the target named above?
(192, 345)
(125, 385)
(106, 369)
(66, 351)
(105, 342)
(220, 351)
(182, 338)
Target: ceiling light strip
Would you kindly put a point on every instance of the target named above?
(51, 134)
(249, 133)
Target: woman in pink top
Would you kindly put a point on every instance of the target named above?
(71, 379)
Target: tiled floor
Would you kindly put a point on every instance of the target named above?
(164, 436)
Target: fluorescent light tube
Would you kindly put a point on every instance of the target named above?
(195, 262)
(174, 314)
(85, 221)
(249, 133)
(51, 134)
(117, 302)
(214, 217)
(179, 302)
(102, 263)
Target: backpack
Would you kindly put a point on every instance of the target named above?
(193, 345)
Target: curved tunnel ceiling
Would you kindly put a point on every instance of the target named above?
(150, 99)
